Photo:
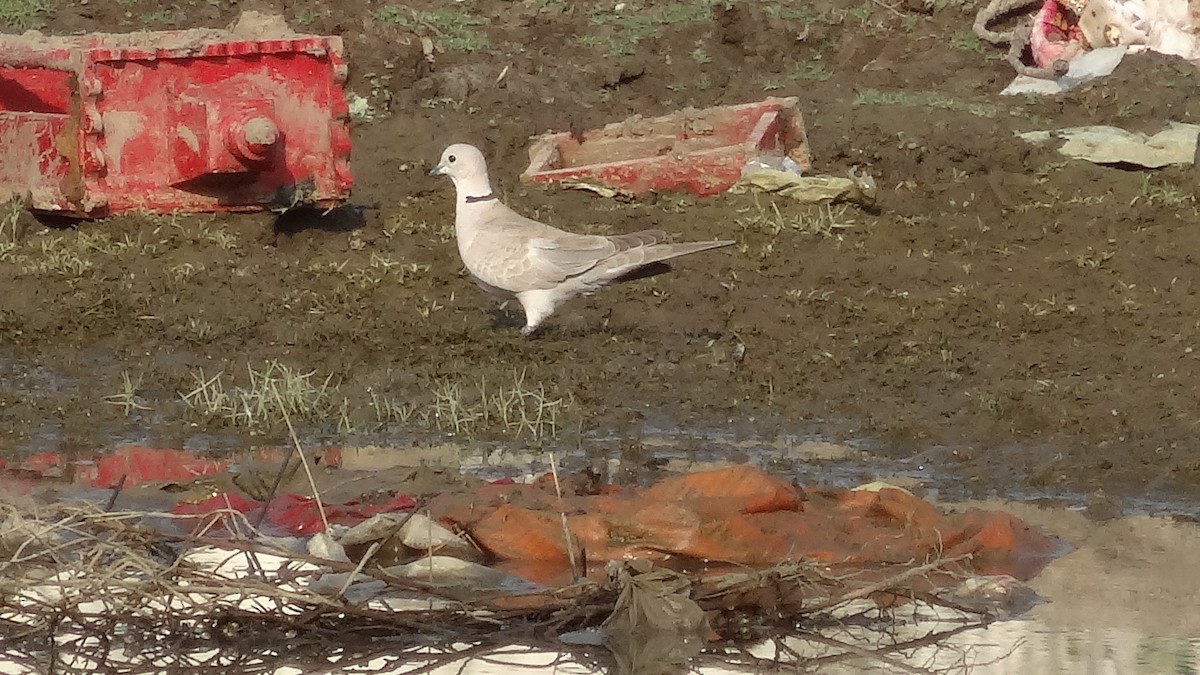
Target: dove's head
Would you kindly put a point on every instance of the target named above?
(464, 164)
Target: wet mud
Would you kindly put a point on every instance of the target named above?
(1017, 320)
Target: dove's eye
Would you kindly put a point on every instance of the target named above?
(452, 159)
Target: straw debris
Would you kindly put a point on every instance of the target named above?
(86, 590)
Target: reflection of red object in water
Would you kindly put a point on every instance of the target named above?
(41, 463)
(136, 463)
(145, 465)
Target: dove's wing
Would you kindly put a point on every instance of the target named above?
(510, 251)
(515, 253)
(573, 254)
(570, 255)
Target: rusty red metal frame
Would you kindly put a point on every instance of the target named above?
(173, 121)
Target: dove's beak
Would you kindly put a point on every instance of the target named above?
(437, 170)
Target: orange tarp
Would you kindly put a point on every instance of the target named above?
(739, 515)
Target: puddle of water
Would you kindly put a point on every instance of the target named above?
(1124, 601)
(810, 459)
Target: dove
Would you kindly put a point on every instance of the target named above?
(510, 255)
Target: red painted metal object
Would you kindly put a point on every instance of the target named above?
(196, 120)
(703, 151)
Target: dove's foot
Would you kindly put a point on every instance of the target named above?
(538, 306)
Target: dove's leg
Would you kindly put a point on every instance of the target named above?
(538, 306)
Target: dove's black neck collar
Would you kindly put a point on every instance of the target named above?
(482, 198)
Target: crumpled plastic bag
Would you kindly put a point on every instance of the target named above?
(860, 189)
(655, 625)
(415, 530)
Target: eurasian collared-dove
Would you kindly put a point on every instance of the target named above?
(542, 266)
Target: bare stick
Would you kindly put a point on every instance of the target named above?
(895, 665)
(312, 484)
(429, 553)
(287, 459)
(889, 584)
(566, 528)
(361, 563)
(116, 492)
(889, 8)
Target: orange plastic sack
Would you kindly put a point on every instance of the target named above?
(739, 515)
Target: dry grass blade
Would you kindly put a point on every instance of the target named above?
(568, 540)
(312, 484)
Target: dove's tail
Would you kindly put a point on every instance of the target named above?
(643, 272)
(645, 261)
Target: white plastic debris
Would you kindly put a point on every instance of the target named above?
(1176, 144)
(774, 163)
(416, 531)
(463, 580)
(323, 546)
(1113, 28)
(1091, 65)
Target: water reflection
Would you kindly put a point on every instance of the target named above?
(1124, 601)
(1009, 648)
(1031, 646)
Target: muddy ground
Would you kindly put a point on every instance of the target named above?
(1024, 322)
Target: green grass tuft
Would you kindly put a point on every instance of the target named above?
(21, 15)
(453, 27)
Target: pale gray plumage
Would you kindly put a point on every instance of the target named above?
(542, 266)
